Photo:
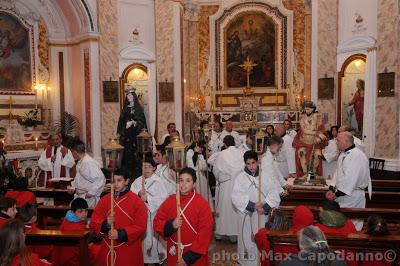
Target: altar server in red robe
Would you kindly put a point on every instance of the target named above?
(20, 192)
(8, 210)
(75, 220)
(28, 215)
(56, 160)
(13, 251)
(196, 223)
(130, 220)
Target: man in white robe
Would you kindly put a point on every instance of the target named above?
(276, 185)
(89, 180)
(228, 165)
(57, 160)
(153, 194)
(351, 177)
(228, 131)
(171, 128)
(285, 159)
(289, 128)
(358, 142)
(167, 175)
(248, 144)
(245, 197)
(216, 141)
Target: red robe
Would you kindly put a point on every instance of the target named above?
(22, 197)
(68, 255)
(130, 215)
(34, 260)
(43, 251)
(198, 214)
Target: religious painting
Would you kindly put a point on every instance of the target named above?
(110, 91)
(166, 92)
(326, 88)
(250, 35)
(15, 56)
(386, 84)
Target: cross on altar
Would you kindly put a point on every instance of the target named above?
(10, 102)
(248, 66)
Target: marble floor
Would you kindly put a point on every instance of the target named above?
(222, 253)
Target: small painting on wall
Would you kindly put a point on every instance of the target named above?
(326, 88)
(166, 91)
(386, 84)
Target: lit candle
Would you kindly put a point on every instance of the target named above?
(36, 92)
(42, 88)
(36, 143)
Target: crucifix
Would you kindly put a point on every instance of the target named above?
(248, 66)
(10, 115)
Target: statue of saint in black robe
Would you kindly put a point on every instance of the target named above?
(130, 124)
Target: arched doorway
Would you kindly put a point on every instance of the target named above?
(350, 101)
(136, 76)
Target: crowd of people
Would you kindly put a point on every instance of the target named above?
(244, 206)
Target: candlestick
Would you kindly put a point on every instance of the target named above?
(36, 143)
(42, 97)
(36, 92)
(48, 97)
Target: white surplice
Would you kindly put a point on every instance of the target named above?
(202, 186)
(245, 193)
(352, 177)
(272, 178)
(168, 176)
(156, 193)
(228, 165)
(89, 179)
(331, 154)
(235, 136)
(216, 142)
(285, 159)
(46, 164)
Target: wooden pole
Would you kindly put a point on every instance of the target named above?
(178, 211)
(112, 216)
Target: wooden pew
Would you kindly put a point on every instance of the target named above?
(390, 215)
(385, 185)
(60, 196)
(57, 212)
(314, 196)
(56, 237)
(358, 242)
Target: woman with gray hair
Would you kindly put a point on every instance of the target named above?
(314, 250)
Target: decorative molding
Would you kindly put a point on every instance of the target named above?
(359, 24)
(191, 12)
(356, 43)
(133, 52)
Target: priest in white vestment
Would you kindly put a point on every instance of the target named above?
(228, 131)
(351, 177)
(57, 160)
(245, 196)
(276, 185)
(357, 142)
(89, 180)
(228, 165)
(285, 159)
(153, 195)
(216, 141)
(247, 145)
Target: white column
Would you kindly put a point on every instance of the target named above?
(314, 51)
(370, 103)
(152, 94)
(95, 100)
(176, 9)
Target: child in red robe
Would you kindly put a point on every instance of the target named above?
(75, 220)
(20, 192)
(130, 220)
(13, 251)
(196, 223)
(8, 210)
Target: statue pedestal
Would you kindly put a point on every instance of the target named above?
(317, 181)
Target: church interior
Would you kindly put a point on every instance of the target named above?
(277, 110)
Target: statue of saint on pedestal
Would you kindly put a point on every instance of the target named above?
(130, 124)
(309, 142)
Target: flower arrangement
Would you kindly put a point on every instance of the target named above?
(30, 119)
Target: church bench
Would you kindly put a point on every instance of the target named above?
(315, 195)
(358, 242)
(385, 185)
(56, 237)
(60, 196)
(390, 215)
(57, 212)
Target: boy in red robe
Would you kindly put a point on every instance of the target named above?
(75, 220)
(8, 210)
(20, 192)
(130, 220)
(196, 223)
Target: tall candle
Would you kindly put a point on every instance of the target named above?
(36, 92)
(48, 97)
(42, 88)
(36, 143)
